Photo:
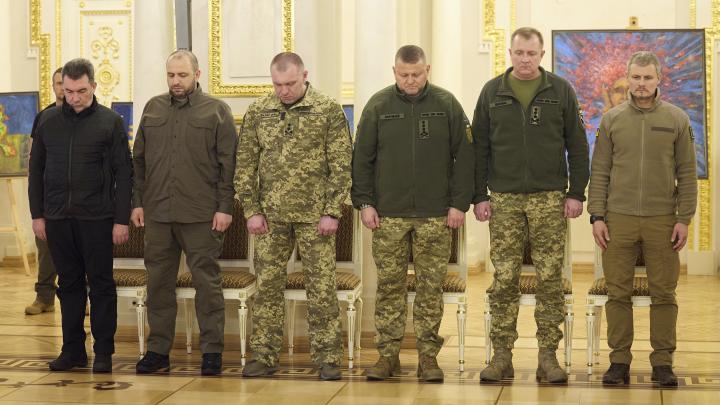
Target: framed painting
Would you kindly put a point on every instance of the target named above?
(125, 109)
(17, 113)
(595, 63)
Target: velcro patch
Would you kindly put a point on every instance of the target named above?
(432, 114)
(391, 116)
(500, 103)
(547, 101)
(663, 129)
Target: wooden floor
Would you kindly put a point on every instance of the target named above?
(28, 342)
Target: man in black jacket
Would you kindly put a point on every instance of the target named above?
(79, 189)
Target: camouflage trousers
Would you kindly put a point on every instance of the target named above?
(430, 239)
(514, 217)
(272, 252)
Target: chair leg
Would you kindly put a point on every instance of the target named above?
(461, 316)
(488, 326)
(358, 326)
(188, 325)
(242, 319)
(351, 332)
(140, 308)
(569, 320)
(596, 333)
(590, 325)
(291, 328)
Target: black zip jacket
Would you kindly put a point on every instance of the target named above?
(80, 165)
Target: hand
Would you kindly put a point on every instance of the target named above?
(138, 217)
(327, 225)
(120, 234)
(221, 221)
(679, 236)
(573, 208)
(370, 218)
(38, 227)
(257, 225)
(455, 218)
(482, 211)
(601, 234)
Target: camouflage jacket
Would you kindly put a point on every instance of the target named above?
(294, 162)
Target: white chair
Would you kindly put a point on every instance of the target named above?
(528, 288)
(348, 256)
(131, 277)
(598, 297)
(238, 279)
(454, 287)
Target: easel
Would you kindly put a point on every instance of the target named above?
(16, 224)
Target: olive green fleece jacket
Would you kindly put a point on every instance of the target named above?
(524, 150)
(644, 162)
(413, 158)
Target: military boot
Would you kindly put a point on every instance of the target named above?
(428, 369)
(500, 367)
(664, 376)
(549, 368)
(39, 306)
(385, 368)
(618, 373)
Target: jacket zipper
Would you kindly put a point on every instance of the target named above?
(69, 166)
(642, 160)
(412, 139)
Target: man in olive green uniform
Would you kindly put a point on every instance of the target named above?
(293, 177)
(45, 286)
(643, 191)
(413, 180)
(526, 121)
(184, 159)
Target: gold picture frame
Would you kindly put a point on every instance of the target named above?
(217, 87)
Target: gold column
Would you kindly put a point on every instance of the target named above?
(42, 41)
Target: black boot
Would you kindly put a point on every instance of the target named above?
(153, 362)
(67, 361)
(664, 376)
(618, 373)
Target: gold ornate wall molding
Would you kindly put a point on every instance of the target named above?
(712, 35)
(106, 39)
(497, 35)
(42, 41)
(217, 87)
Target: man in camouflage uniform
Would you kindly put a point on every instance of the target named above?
(526, 121)
(413, 180)
(293, 177)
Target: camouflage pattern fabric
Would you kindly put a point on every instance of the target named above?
(300, 155)
(541, 216)
(431, 251)
(272, 251)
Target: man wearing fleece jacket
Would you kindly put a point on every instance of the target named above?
(643, 191)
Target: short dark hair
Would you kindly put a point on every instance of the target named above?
(283, 60)
(77, 68)
(644, 58)
(184, 53)
(527, 33)
(410, 54)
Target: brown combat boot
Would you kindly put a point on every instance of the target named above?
(500, 367)
(385, 368)
(38, 307)
(549, 368)
(428, 369)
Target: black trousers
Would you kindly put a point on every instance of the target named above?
(82, 250)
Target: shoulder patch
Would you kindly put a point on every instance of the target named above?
(692, 134)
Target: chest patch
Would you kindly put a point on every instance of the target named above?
(432, 114)
(392, 116)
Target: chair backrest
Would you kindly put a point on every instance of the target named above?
(237, 246)
(348, 244)
(639, 263)
(131, 254)
(529, 267)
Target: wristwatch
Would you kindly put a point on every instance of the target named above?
(594, 218)
(363, 206)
